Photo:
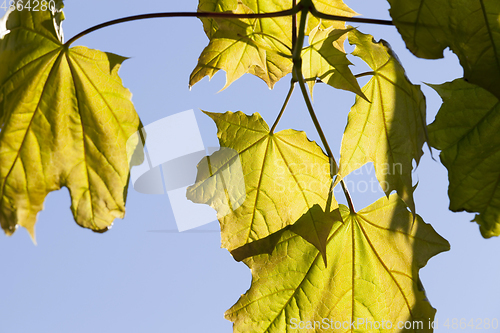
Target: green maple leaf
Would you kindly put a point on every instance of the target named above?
(65, 119)
(470, 28)
(390, 131)
(322, 59)
(285, 175)
(242, 46)
(466, 131)
(261, 47)
(374, 257)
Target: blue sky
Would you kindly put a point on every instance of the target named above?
(139, 278)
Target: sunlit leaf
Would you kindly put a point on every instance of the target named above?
(261, 47)
(471, 28)
(389, 131)
(285, 175)
(466, 130)
(321, 59)
(209, 24)
(374, 258)
(330, 7)
(65, 121)
(242, 46)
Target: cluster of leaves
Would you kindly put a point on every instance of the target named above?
(289, 183)
(65, 120)
(371, 258)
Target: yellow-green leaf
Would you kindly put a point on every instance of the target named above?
(423, 24)
(323, 60)
(390, 131)
(242, 46)
(261, 47)
(285, 175)
(471, 28)
(65, 121)
(466, 130)
(209, 24)
(330, 7)
(374, 258)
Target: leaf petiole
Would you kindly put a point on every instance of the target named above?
(290, 91)
(357, 76)
(297, 75)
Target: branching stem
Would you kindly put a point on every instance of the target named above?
(323, 139)
(287, 99)
(297, 75)
(316, 122)
(282, 13)
(293, 11)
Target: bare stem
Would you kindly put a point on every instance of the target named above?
(288, 12)
(315, 121)
(293, 11)
(297, 75)
(333, 163)
(347, 196)
(287, 99)
(363, 74)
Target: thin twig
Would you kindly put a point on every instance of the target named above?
(323, 140)
(282, 13)
(315, 120)
(287, 99)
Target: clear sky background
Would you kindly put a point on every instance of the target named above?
(138, 277)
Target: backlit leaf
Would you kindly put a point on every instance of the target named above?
(389, 131)
(471, 28)
(65, 121)
(285, 175)
(321, 59)
(466, 130)
(330, 7)
(242, 46)
(261, 47)
(209, 24)
(374, 258)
